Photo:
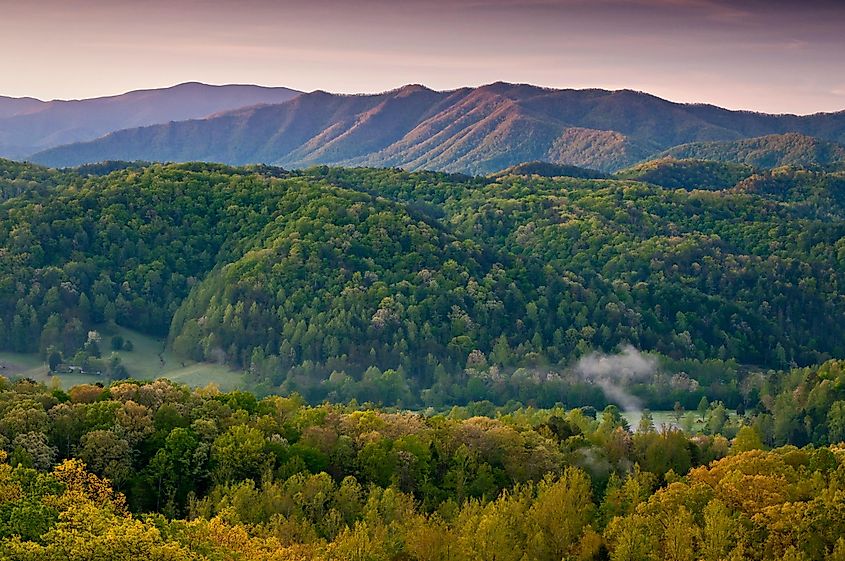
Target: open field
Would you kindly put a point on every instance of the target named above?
(20, 365)
(668, 419)
(148, 360)
(661, 418)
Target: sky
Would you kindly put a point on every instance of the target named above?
(775, 56)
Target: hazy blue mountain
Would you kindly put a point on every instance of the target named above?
(28, 125)
(11, 106)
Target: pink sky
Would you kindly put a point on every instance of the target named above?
(764, 55)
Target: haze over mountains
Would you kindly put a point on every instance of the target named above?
(470, 130)
(29, 125)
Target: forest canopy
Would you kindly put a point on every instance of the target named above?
(159, 471)
(427, 289)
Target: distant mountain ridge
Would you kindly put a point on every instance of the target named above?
(11, 106)
(30, 125)
(469, 130)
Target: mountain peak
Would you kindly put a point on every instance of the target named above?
(410, 89)
(513, 90)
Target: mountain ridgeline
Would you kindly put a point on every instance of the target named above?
(29, 125)
(471, 130)
(426, 287)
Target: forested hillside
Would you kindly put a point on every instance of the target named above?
(770, 151)
(690, 174)
(385, 322)
(425, 288)
(546, 169)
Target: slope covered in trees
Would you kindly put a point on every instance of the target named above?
(799, 187)
(546, 169)
(770, 151)
(18, 179)
(425, 288)
(470, 130)
(687, 174)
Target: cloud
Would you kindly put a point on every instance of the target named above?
(613, 373)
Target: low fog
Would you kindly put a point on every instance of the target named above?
(614, 372)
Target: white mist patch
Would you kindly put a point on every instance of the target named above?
(613, 373)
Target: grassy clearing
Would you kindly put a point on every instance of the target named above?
(668, 419)
(202, 374)
(661, 418)
(148, 360)
(17, 365)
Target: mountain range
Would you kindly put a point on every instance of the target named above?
(469, 130)
(29, 125)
